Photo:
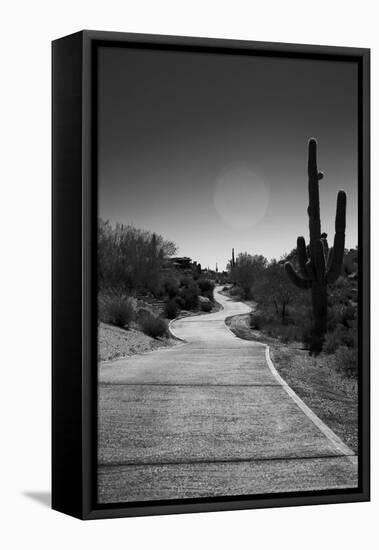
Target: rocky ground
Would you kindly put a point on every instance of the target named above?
(114, 342)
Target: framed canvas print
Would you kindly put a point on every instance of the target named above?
(210, 275)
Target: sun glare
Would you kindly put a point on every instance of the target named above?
(241, 196)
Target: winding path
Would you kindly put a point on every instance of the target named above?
(210, 417)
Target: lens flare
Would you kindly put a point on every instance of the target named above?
(241, 196)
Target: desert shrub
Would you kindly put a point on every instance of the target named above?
(346, 361)
(307, 335)
(190, 296)
(348, 314)
(154, 326)
(185, 280)
(171, 309)
(257, 321)
(208, 294)
(189, 292)
(292, 330)
(331, 342)
(289, 333)
(130, 258)
(206, 306)
(143, 312)
(247, 271)
(180, 302)
(340, 336)
(341, 282)
(171, 287)
(341, 314)
(275, 329)
(117, 310)
(236, 292)
(206, 287)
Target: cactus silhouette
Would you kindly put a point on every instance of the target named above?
(319, 266)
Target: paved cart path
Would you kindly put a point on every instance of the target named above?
(210, 417)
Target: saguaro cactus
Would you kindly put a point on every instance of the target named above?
(319, 266)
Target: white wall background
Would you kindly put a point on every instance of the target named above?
(26, 31)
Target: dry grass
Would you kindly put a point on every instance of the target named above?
(332, 396)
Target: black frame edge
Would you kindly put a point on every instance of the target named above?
(186, 42)
(67, 421)
(364, 274)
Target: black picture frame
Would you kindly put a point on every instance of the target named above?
(74, 360)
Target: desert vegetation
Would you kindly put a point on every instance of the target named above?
(142, 285)
(284, 311)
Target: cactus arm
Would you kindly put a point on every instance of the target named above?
(302, 256)
(341, 212)
(339, 239)
(295, 278)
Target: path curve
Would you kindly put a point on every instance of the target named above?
(208, 418)
(210, 329)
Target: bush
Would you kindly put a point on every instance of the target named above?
(331, 342)
(191, 298)
(180, 302)
(346, 361)
(190, 294)
(208, 294)
(171, 309)
(185, 280)
(117, 310)
(340, 336)
(171, 287)
(154, 326)
(130, 258)
(206, 285)
(142, 313)
(206, 307)
(307, 335)
(287, 333)
(257, 321)
(236, 292)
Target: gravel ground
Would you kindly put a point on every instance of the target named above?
(114, 342)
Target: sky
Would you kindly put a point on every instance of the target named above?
(210, 151)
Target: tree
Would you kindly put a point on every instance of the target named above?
(130, 258)
(276, 289)
(247, 270)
